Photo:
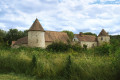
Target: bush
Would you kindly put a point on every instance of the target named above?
(62, 47)
(77, 48)
(102, 50)
(58, 47)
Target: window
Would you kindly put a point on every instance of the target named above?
(101, 38)
(93, 45)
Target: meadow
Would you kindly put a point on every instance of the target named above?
(41, 64)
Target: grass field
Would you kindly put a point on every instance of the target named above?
(12, 76)
(39, 64)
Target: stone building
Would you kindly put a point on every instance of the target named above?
(91, 40)
(38, 37)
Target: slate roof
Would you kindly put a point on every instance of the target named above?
(50, 36)
(86, 38)
(36, 26)
(103, 33)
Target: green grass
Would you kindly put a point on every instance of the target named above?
(12, 76)
(54, 66)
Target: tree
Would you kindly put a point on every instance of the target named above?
(70, 34)
(89, 33)
(13, 35)
(2, 36)
(2, 33)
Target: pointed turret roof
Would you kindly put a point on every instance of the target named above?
(36, 26)
(103, 33)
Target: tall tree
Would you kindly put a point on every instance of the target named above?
(2, 36)
(89, 33)
(13, 35)
(70, 34)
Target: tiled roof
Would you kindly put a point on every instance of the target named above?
(52, 36)
(20, 41)
(36, 26)
(103, 33)
(87, 38)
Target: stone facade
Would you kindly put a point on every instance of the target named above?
(89, 44)
(103, 39)
(36, 39)
(47, 43)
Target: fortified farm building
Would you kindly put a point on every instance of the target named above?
(38, 37)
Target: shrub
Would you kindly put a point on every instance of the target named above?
(102, 50)
(77, 48)
(62, 47)
(58, 47)
(84, 47)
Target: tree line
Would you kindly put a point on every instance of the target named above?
(6, 37)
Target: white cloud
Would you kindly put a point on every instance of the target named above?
(106, 0)
(74, 15)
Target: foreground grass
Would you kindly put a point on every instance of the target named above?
(12, 76)
(57, 66)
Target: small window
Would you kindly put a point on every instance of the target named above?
(101, 38)
(93, 45)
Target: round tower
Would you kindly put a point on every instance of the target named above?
(103, 37)
(36, 35)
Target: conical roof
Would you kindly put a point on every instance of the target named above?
(36, 26)
(103, 33)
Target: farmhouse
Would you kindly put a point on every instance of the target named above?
(91, 40)
(38, 37)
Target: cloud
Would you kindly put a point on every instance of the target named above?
(58, 15)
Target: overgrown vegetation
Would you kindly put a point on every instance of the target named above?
(63, 47)
(69, 65)
(62, 61)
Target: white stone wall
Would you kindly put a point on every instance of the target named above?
(89, 44)
(47, 43)
(36, 39)
(102, 39)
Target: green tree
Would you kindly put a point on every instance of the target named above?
(70, 34)
(2, 36)
(13, 35)
(89, 33)
(25, 33)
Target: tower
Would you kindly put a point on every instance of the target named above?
(36, 35)
(103, 37)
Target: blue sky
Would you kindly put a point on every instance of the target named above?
(57, 15)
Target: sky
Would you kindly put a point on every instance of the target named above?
(58, 15)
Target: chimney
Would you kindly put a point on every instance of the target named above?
(80, 33)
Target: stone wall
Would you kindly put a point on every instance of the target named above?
(89, 44)
(36, 39)
(47, 43)
(103, 39)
